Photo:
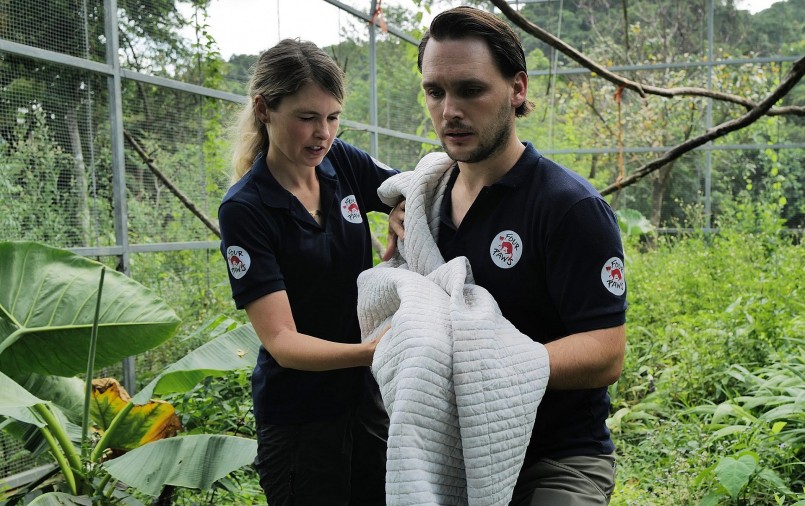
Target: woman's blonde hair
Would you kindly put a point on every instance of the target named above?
(280, 72)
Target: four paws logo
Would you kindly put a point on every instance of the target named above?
(238, 261)
(350, 210)
(612, 276)
(506, 249)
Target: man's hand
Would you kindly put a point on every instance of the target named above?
(396, 229)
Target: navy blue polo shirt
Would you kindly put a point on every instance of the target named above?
(547, 247)
(271, 243)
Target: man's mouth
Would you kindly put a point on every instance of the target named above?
(457, 134)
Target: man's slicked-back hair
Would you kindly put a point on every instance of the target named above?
(469, 22)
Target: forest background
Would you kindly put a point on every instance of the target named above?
(710, 407)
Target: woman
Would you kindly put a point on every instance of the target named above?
(295, 237)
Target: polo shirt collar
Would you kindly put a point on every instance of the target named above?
(512, 179)
(274, 194)
(517, 174)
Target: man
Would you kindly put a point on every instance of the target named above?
(540, 239)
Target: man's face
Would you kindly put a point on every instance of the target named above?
(471, 104)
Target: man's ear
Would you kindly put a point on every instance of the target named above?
(519, 89)
(260, 108)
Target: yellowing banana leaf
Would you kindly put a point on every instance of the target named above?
(143, 424)
(195, 461)
(47, 305)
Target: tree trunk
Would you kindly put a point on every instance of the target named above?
(659, 185)
(81, 187)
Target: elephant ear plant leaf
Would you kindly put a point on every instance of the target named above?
(56, 322)
(47, 306)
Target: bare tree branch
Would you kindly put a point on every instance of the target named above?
(791, 79)
(641, 89)
(172, 187)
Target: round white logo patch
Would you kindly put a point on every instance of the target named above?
(350, 210)
(612, 276)
(506, 249)
(238, 261)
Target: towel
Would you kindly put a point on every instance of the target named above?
(460, 383)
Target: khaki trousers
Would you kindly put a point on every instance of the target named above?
(569, 481)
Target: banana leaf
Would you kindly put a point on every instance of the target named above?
(47, 304)
(61, 499)
(15, 401)
(194, 461)
(237, 349)
(141, 425)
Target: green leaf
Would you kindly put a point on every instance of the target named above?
(734, 473)
(729, 410)
(65, 393)
(15, 401)
(631, 221)
(784, 411)
(711, 499)
(61, 499)
(777, 427)
(47, 304)
(730, 430)
(195, 461)
(774, 479)
(234, 350)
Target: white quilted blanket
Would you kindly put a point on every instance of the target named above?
(460, 383)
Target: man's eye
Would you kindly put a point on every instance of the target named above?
(434, 93)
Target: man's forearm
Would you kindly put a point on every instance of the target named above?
(588, 359)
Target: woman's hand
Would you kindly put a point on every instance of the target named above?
(396, 229)
(372, 344)
(273, 322)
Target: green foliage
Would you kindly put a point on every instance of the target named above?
(713, 370)
(763, 422)
(47, 298)
(36, 183)
(632, 223)
(196, 283)
(221, 406)
(709, 408)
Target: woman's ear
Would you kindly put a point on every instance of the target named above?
(260, 108)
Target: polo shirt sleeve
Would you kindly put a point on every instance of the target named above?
(585, 270)
(369, 174)
(249, 242)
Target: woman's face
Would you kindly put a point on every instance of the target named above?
(301, 130)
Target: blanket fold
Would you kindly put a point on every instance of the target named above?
(460, 383)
